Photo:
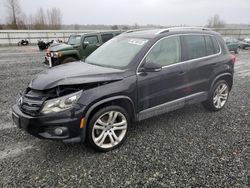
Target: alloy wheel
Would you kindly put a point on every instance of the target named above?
(220, 95)
(109, 129)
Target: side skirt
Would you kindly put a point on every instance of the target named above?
(172, 105)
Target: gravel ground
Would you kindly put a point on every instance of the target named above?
(189, 147)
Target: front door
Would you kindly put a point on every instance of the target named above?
(158, 88)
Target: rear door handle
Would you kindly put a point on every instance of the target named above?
(214, 64)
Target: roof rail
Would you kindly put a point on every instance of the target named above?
(134, 30)
(181, 28)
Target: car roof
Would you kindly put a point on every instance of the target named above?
(97, 32)
(153, 33)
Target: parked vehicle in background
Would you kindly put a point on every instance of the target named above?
(22, 42)
(43, 45)
(246, 43)
(79, 46)
(232, 44)
(132, 77)
(243, 45)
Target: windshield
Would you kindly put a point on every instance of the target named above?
(117, 52)
(74, 39)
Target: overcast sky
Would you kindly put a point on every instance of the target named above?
(162, 12)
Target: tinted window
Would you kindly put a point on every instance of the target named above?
(209, 45)
(216, 45)
(165, 52)
(91, 39)
(106, 37)
(195, 46)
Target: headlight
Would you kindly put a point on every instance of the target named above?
(56, 54)
(61, 103)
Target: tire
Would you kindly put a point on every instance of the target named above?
(68, 60)
(218, 96)
(102, 134)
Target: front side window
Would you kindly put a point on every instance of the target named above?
(165, 52)
(195, 46)
(92, 40)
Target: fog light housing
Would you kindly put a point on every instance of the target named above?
(58, 131)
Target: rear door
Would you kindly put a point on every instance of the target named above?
(157, 88)
(200, 54)
(92, 44)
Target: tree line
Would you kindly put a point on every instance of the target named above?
(50, 18)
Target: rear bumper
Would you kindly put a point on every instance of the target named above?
(44, 126)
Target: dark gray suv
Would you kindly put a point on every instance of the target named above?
(134, 76)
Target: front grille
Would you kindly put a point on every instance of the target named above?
(31, 105)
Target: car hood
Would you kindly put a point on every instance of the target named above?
(60, 47)
(74, 73)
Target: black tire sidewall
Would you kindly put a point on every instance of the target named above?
(93, 120)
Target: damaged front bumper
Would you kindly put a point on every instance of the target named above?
(63, 126)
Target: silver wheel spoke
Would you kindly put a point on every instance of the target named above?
(114, 135)
(100, 122)
(103, 138)
(123, 122)
(219, 103)
(223, 88)
(110, 117)
(114, 117)
(215, 99)
(223, 97)
(111, 139)
(99, 137)
(99, 127)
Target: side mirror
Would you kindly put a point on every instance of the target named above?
(151, 67)
(85, 44)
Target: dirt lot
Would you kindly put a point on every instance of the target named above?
(187, 147)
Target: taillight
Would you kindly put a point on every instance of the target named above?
(233, 58)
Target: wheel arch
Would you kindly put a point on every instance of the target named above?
(225, 76)
(122, 101)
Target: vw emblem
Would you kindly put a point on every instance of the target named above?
(20, 101)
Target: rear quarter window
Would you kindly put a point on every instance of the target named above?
(209, 45)
(216, 45)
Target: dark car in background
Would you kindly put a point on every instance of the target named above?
(79, 46)
(132, 77)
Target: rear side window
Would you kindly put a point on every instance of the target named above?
(209, 45)
(216, 45)
(195, 46)
(106, 37)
